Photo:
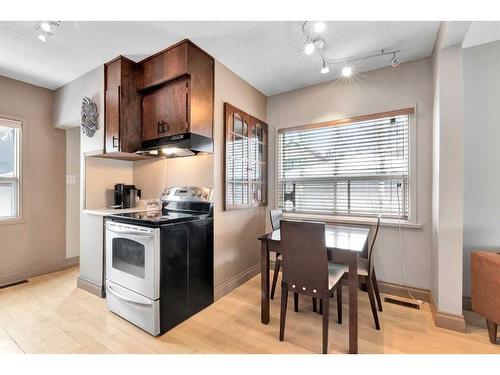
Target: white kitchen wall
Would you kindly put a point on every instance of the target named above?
(481, 152)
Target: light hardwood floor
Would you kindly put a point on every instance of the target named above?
(50, 315)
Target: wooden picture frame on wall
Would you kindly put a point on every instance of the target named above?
(245, 160)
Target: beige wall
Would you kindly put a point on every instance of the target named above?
(39, 242)
(376, 91)
(237, 253)
(101, 175)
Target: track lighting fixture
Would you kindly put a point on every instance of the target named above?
(325, 69)
(309, 48)
(43, 36)
(319, 26)
(395, 61)
(346, 71)
(45, 29)
(317, 45)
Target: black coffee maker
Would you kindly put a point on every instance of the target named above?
(126, 196)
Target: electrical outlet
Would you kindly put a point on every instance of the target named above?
(70, 179)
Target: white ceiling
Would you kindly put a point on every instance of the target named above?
(481, 32)
(269, 55)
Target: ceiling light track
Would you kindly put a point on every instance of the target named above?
(364, 57)
(313, 43)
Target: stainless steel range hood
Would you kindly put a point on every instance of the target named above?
(186, 144)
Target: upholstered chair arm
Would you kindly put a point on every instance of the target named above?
(486, 284)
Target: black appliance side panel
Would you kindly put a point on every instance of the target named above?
(201, 265)
(174, 298)
(186, 271)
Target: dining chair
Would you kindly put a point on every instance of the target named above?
(276, 217)
(366, 271)
(306, 270)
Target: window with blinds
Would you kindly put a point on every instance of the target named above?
(356, 167)
(10, 134)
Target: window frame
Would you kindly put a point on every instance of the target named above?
(251, 122)
(20, 169)
(412, 219)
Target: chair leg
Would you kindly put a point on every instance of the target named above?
(339, 303)
(315, 301)
(295, 302)
(277, 265)
(320, 311)
(326, 308)
(492, 331)
(284, 300)
(371, 296)
(377, 293)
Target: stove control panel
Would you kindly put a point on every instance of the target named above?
(187, 194)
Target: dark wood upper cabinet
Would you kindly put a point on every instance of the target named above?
(122, 107)
(164, 66)
(169, 93)
(178, 92)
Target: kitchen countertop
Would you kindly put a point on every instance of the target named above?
(111, 211)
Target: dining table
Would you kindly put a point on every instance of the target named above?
(344, 244)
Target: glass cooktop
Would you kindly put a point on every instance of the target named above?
(154, 217)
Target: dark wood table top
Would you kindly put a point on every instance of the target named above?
(337, 236)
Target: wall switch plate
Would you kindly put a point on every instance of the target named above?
(70, 179)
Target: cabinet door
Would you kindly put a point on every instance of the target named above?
(152, 115)
(166, 66)
(176, 107)
(165, 111)
(112, 119)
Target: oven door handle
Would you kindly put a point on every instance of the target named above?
(118, 295)
(130, 233)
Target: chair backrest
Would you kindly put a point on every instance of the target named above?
(276, 217)
(305, 262)
(371, 250)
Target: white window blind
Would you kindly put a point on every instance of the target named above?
(355, 169)
(10, 133)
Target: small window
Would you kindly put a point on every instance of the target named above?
(246, 160)
(10, 135)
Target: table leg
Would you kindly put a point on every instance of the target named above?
(353, 304)
(264, 282)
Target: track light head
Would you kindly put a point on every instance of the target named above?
(395, 61)
(319, 26)
(309, 48)
(325, 69)
(346, 71)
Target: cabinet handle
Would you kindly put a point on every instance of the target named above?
(161, 126)
(115, 142)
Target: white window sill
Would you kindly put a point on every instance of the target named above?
(12, 221)
(352, 220)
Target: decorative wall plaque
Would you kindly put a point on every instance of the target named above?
(90, 117)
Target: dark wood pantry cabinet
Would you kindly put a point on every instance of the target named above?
(167, 94)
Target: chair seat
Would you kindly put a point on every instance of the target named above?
(335, 273)
(363, 266)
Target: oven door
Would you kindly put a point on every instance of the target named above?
(133, 258)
